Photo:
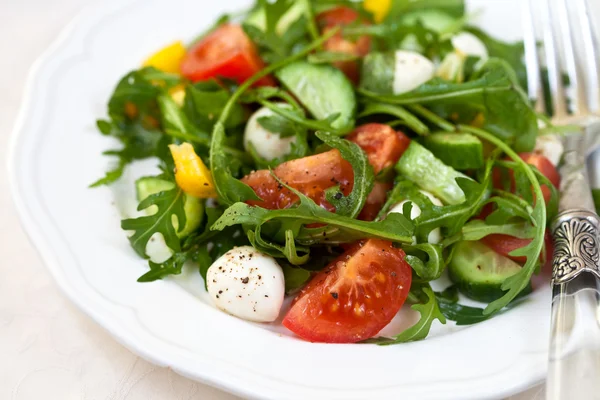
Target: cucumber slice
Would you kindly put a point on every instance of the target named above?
(420, 166)
(377, 73)
(479, 271)
(457, 150)
(322, 89)
(194, 207)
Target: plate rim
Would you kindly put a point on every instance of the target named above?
(38, 236)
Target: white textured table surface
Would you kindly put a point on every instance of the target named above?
(48, 349)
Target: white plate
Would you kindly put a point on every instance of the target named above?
(56, 154)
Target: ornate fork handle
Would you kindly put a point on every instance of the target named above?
(576, 245)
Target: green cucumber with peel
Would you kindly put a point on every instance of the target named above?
(193, 207)
(420, 166)
(457, 150)
(322, 89)
(479, 271)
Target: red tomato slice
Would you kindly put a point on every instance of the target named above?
(340, 16)
(541, 163)
(314, 174)
(354, 297)
(375, 201)
(546, 168)
(309, 175)
(383, 144)
(505, 244)
(226, 52)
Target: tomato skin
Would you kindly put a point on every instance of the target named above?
(505, 244)
(309, 175)
(375, 201)
(354, 297)
(314, 174)
(384, 146)
(226, 52)
(340, 16)
(546, 168)
(541, 163)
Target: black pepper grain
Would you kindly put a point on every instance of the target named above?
(334, 295)
(245, 280)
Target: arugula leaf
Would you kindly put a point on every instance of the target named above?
(175, 121)
(294, 277)
(139, 141)
(204, 102)
(134, 117)
(279, 125)
(277, 37)
(434, 265)
(315, 124)
(430, 311)
(478, 229)
(492, 91)
(508, 207)
(516, 283)
(289, 251)
(394, 228)
(202, 248)
(352, 204)
(229, 189)
(463, 315)
(170, 204)
(140, 89)
(405, 116)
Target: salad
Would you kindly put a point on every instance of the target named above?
(345, 154)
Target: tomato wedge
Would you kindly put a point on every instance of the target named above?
(309, 175)
(354, 297)
(505, 244)
(382, 143)
(375, 201)
(226, 52)
(314, 174)
(340, 16)
(541, 163)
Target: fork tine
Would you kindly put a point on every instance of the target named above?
(578, 84)
(532, 62)
(557, 89)
(590, 56)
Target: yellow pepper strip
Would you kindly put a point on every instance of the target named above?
(167, 59)
(478, 121)
(379, 8)
(191, 174)
(178, 94)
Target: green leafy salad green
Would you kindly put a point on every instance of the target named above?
(363, 150)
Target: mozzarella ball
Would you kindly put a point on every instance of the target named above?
(468, 44)
(247, 284)
(267, 144)
(550, 146)
(435, 236)
(411, 71)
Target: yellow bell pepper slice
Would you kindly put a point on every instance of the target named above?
(379, 8)
(177, 93)
(167, 59)
(191, 175)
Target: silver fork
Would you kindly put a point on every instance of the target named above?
(574, 354)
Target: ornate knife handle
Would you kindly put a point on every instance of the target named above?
(574, 352)
(576, 245)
